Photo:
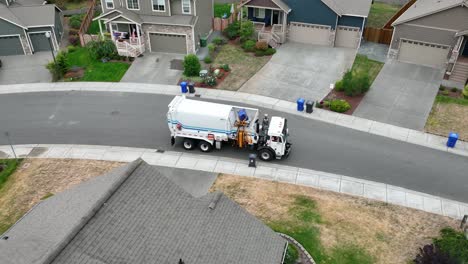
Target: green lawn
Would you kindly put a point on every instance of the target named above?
(9, 166)
(221, 9)
(364, 64)
(97, 71)
(75, 5)
(305, 228)
(448, 114)
(380, 13)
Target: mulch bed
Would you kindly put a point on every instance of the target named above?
(225, 74)
(75, 72)
(457, 94)
(353, 101)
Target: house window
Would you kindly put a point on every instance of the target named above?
(133, 4)
(259, 13)
(159, 5)
(186, 6)
(114, 27)
(110, 4)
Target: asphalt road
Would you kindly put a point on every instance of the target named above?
(138, 120)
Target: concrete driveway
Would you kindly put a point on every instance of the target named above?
(25, 69)
(300, 70)
(157, 68)
(401, 95)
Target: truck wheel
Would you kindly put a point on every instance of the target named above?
(266, 154)
(205, 146)
(189, 144)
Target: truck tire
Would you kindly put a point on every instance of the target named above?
(188, 144)
(266, 154)
(205, 146)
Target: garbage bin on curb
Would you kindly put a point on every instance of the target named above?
(309, 106)
(183, 87)
(300, 104)
(252, 160)
(452, 140)
(191, 87)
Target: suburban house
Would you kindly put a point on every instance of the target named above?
(27, 26)
(171, 26)
(434, 33)
(137, 214)
(335, 23)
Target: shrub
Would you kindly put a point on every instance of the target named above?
(225, 67)
(319, 104)
(192, 65)
(71, 49)
(339, 106)
(221, 9)
(356, 84)
(59, 67)
(210, 80)
(219, 41)
(211, 48)
(261, 45)
(465, 92)
(453, 243)
(73, 31)
(454, 90)
(207, 60)
(75, 24)
(101, 49)
(270, 51)
(232, 31)
(429, 254)
(339, 86)
(259, 53)
(445, 92)
(441, 88)
(291, 255)
(249, 45)
(246, 30)
(73, 39)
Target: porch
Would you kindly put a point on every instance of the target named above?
(457, 70)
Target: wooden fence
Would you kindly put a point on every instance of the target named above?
(379, 35)
(88, 18)
(219, 24)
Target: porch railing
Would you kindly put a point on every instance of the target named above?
(130, 48)
(259, 26)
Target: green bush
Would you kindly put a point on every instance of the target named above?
(453, 243)
(339, 86)
(221, 9)
(59, 67)
(441, 88)
(246, 30)
(291, 255)
(192, 65)
(225, 67)
(75, 24)
(445, 92)
(339, 106)
(210, 80)
(355, 84)
(71, 49)
(259, 53)
(232, 31)
(211, 48)
(454, 90)
(219, 41)
(101, 49)
(249, 45)
(270, 51)
(207, 60)
(465, 92)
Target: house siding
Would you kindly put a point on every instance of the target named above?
(455, 19)
(311, 11)
(58, 26)
(205, 18)
(176, 7)
(146, 7)
(6, 28)
(350, 21)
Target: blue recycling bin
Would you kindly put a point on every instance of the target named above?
(183, 87)
(300, 104)
(452, 140)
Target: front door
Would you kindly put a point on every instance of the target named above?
(464, 52)
(276, 18)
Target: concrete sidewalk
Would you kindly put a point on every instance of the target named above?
(373, 127)
(311, 178)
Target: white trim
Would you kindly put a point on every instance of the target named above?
(190, 7)
(279, 7)
(122, 16)
(55, 38)
(138, 1)
(113, 4)
(7, 4)
(262, 7)
(159, 11)
(193, 40)
(309, 24)
(169, 4)
(11, 35)
(158, 32)
(13, 23)
(194, 7)
(436, 28)
(102, 7)
(106, 14)
(423, 42)
(40, 26)
(28, 40)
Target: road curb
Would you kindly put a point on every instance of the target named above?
(317, 179)
(356, 123)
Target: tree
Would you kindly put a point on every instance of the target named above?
(192, 65)
(246, 30)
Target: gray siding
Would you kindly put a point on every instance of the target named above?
(455, 18)
(146, 7)
(350, 21)
(422, 34)
(205, 19)
(40, 29)
(58, 25)
(6, 28)
(311, 11)
(176, 7)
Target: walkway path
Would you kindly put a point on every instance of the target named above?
(312, 178)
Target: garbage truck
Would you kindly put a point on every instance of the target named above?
(207, 126)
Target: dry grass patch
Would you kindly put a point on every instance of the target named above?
(390, 234)
(449, 115)
(37, 179)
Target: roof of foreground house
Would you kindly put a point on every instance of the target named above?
(424, 8)
(135, 214)
(29, 16)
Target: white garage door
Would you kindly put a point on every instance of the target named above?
(309, 33)
(432, 55)
(347, 37)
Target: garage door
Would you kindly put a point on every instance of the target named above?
(10, 45)
(432, 55)
(168, 43)
(39, 42)
(347, 37)
(309, 33)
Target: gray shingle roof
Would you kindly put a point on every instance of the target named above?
(427, 7)
(149, 219)
(6, 14)
(354, 7)
(30, 16)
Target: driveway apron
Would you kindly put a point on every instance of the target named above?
(301, 70)
(402, 95)
(25, 68)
